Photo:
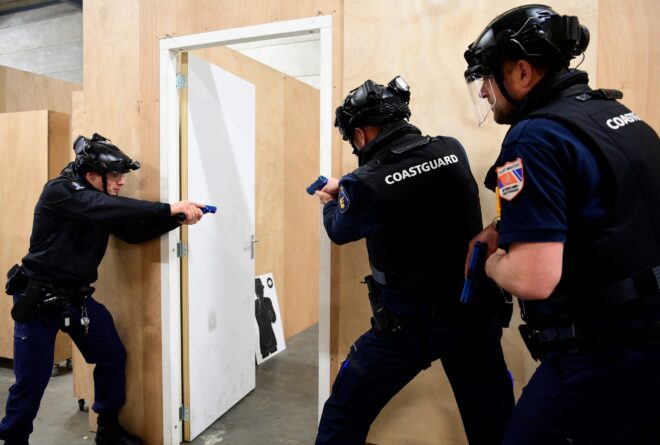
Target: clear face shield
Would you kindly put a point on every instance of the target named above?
(482, 94)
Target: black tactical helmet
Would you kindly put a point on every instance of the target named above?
(526, 31)
(373, 104)
(99, 155)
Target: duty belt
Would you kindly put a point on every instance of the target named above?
(416, 280)
(638, 286)
(574, 337)
(74, 296)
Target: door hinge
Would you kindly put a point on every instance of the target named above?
(181, 249)
(184, 413)
(180, 81)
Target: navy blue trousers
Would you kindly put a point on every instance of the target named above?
(378, 366)
(34, 345)
(595, 398)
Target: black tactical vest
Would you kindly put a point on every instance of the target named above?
(608, 278)
(428, 206)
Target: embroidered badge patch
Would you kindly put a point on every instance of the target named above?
(343, 199)
(510, 179)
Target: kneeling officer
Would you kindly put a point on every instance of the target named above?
(73, 219)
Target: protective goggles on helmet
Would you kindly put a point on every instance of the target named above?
(530, 31)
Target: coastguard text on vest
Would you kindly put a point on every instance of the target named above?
(420, 168)
(620, 121)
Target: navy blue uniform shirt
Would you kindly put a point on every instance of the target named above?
(72, 224)
(549, 180)
(353, 215)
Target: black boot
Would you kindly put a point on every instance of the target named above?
(115, 434)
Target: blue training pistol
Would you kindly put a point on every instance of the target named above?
(317, 185)
(475, 270)
(206, 209)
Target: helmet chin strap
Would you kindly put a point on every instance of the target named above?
(105, 183)
(499, 78)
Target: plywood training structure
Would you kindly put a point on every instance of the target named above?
(34, 146)
(424, 41)
(23, 91)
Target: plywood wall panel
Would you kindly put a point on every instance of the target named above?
(23, 91)
(31, 142)
(629, 54)
(27, 152)
(301, 212)
(60, 148)
(129, 274)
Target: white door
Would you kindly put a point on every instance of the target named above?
(221, 162)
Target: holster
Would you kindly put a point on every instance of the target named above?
(382, 320)
(494, 298)
(16, 280)
(541, 342)
(26, 304)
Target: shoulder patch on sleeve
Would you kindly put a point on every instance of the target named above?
(510, 179)
(62, 190)
(344, 200)
(76, 185)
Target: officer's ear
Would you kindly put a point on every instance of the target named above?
(95, 180)
(364, 135)
(360, 138)
(522, 76)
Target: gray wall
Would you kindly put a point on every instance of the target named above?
(46, 41)
(49, 41)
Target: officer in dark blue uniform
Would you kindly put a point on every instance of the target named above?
(73, 219)
(578, 183)
(415, 201)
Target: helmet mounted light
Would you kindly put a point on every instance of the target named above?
(98, 154)
(373, 104)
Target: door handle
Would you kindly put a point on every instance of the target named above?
(253, 241)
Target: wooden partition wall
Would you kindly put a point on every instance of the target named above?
(23, 91)
(35, 143)
(34, 146)
(287, 135)
(423, 40)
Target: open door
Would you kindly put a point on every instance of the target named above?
(218, 168)
(172, 187)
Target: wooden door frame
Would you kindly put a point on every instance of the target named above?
(170, 187)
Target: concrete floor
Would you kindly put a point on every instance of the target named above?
(281, 410)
